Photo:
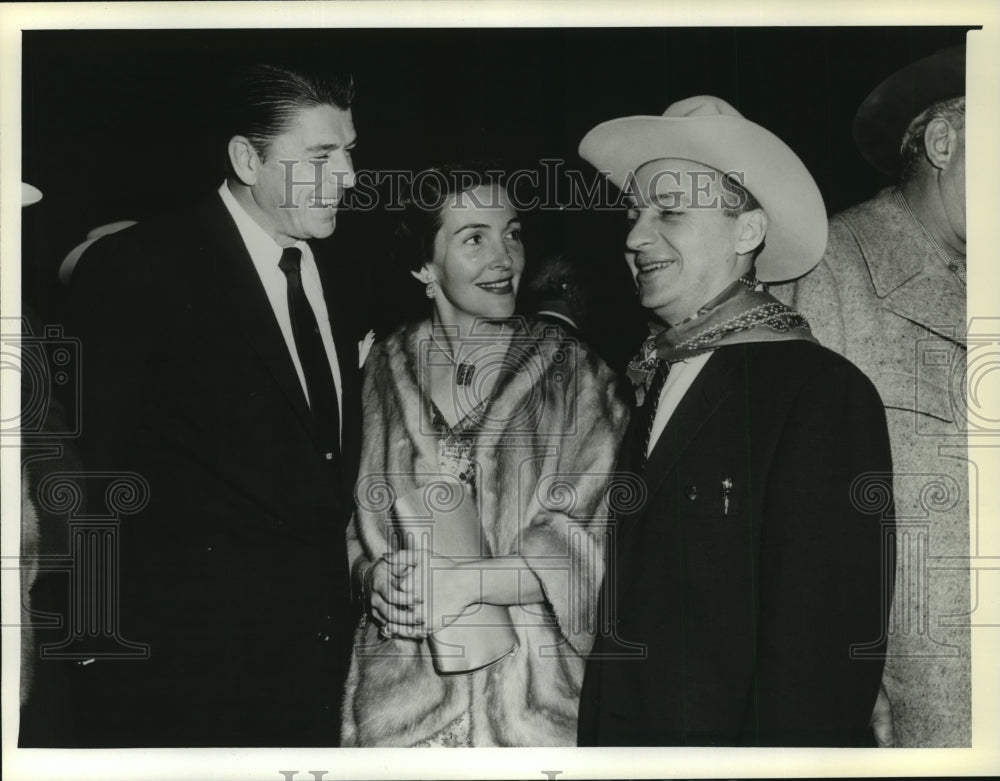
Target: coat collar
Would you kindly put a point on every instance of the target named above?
(907, 270)
(517, 379)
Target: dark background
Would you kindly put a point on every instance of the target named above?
(119, 124)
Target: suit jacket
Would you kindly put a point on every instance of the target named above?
(884, 298)
(759, 622)
(235, 572)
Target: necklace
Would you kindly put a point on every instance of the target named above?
(464, 371)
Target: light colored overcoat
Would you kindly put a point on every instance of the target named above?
(885, 297)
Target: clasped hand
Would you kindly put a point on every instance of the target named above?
(415, 593)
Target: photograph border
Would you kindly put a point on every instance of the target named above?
(983, 195)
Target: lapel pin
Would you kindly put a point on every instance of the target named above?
(727, 489)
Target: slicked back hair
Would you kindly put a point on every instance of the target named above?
(263, 101)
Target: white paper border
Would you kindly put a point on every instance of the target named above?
(983, 130)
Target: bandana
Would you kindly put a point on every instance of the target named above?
(743, 312)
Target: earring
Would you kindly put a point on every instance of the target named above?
(430, 290)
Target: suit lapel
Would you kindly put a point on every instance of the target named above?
(931, 299)
(245, 304)
(907, 272)
(714, 383)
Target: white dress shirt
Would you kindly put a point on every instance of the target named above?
(679, 380)
(265, 253)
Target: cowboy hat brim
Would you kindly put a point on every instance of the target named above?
(29, 194)
(763, 163)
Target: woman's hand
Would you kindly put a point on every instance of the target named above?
(389, 594)
(882, 720)
(441, 589)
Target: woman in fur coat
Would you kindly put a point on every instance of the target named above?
(526, 422)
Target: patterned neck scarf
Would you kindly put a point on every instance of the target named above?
(743, 312)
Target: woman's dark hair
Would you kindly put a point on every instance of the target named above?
(423, 198)
(262, 101)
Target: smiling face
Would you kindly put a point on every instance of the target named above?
(682, 247)
(297, 183)
(478, 257)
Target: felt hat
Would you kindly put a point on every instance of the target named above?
(707, 130)
(68, 264)
(885, 114)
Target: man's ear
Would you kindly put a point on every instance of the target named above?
(244, 159)
(940, 142)
(751, 231)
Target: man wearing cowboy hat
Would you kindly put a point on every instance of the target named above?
(889, 295)
(744, 602)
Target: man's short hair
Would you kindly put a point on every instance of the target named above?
(911, 150)
(554, 277)
(264, 99)
(742, 201)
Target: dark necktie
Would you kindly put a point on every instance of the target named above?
(312, 356)
(647, 413)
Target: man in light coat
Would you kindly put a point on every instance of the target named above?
(890, 295)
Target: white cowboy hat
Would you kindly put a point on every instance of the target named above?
(707, 130)
(29, 194)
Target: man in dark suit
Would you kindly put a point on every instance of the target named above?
(220, 365)
(745, 603)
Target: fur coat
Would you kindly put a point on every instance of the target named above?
(883, 297)
(545, 458)
(30, 541)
